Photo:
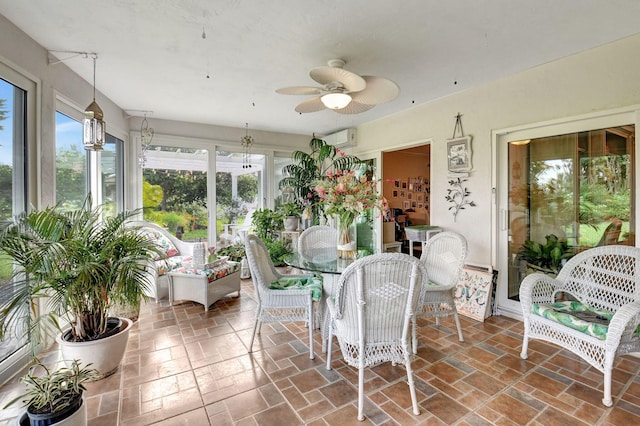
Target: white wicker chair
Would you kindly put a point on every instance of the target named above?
(606, 278)
(370, 316)
(317, 244)
(443, 256)
(275, 305)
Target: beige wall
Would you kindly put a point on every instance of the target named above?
(599, 79)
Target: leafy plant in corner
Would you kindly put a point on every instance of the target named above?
(548, 256)
(458, 196)
(290, 209)
(56, 393)
(78, 262)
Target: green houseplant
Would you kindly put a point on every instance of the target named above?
(79, 263)
(547, 257)
(53, 395)
(291, 212)
(310, 167)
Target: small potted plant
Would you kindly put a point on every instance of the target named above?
(54, 396)
(291, 212)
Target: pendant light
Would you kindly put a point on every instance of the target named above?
(93, 125)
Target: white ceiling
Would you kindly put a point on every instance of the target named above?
(152, 56)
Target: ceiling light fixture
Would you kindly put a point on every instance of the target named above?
(246, 141)
(335, 100)
(93, 125)
(146, 136)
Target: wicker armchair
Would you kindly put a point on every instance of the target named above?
(443, 256)
(317, 244)
(600, 316)
(276, 305)
(371, 313)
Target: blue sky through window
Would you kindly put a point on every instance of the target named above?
(6, 144)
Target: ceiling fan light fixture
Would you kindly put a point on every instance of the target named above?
(335, 100)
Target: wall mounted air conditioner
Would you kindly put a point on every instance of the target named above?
(342, 139)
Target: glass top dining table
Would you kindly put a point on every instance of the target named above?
(319, 264)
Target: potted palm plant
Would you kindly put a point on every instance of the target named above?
(78, 263)
(54, 396)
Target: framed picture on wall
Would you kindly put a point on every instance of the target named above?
(459, 154)
(403, 184)
(394, 193)
(406, 205)
(396, 183)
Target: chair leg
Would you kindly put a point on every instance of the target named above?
(312, 355)
(414, 333)
(525, 341)
(457, 319)
(329, 342)
(253, 335)
(361, 393)
(412, 388)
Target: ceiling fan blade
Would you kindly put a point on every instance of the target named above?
(312, 105)
(300, 90)
(378, 91)
(354, 108)
(324, 75)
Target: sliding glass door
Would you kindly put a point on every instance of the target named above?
(563, 193)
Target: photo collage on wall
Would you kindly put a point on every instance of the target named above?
(413, 192)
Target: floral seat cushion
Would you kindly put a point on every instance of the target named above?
(168, 248)
(164, 266)
(573, 314)
(222, 270)
(313, 283)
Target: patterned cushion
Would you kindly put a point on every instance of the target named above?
(313, 283)
(222, 270)
(164, 266)
(165, 243)
(576, 315)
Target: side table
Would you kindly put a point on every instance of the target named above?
(204, 286)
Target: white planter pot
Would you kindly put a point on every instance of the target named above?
(79, 418)
(291, 223)
(105, 354)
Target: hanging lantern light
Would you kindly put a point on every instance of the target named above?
(93, 125)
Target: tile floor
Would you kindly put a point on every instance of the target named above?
(187, 367)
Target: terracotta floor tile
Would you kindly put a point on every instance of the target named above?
(186, 367)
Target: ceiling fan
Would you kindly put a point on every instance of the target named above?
(343, 91)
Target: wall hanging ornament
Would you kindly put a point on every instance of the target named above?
(459, 149)
(457, 195)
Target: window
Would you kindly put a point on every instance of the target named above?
(17, 103)
(75, 175)
(72, 184)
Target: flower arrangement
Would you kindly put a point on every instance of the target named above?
(345, 195)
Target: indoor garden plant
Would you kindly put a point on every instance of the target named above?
(548, 257)
(54, 396)
(77, 263)
(291, 212)
(310, 167)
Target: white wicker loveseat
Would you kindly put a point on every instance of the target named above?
(175, 252)
(605, 283)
